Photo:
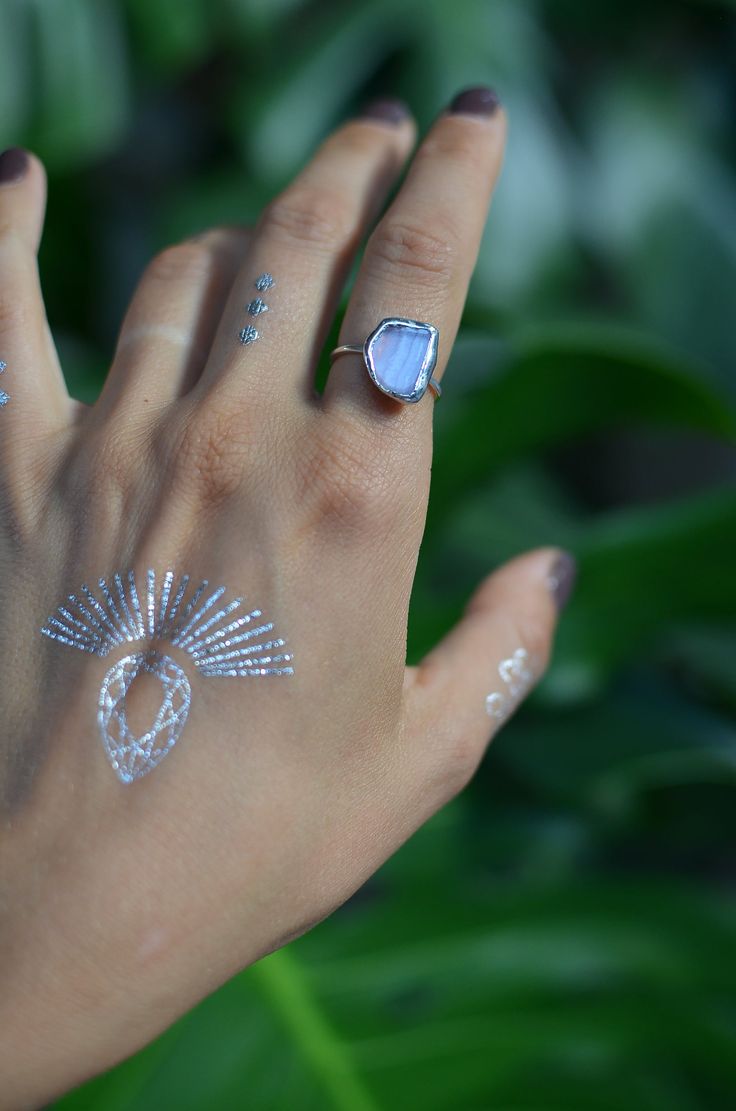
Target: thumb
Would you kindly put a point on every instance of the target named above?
(472, 681)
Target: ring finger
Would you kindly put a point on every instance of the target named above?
(419, 258)
(168, 328)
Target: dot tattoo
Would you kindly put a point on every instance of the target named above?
(249, 334)
(517, 677)
(4, 397)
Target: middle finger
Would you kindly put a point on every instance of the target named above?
(272, 330)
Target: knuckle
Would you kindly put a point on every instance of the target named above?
(222, 233)
(15, 247)
(311, 217)
(346, 482)
(401, 249)
(189, 260)
(454, 758)
(209, 459)
(466, 758)
(110, 461)
(12, 314)
(458, 148)
(225, 243)
(22, 506)
(101, 471)
(16, 308)
(355, 139)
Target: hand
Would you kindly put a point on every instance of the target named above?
(125, 903)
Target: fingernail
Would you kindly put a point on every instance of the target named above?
(386, 109)
(13, 164)
(561, 578)
(478, 101)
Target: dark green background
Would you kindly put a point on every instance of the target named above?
(562, 936)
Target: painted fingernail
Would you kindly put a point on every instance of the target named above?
(561, 578)
(386, 109)
(13, 164)
(478, 101)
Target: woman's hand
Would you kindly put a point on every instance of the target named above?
(125, 903)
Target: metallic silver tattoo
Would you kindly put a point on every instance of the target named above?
(517, 676)
(220, 642)
(132, 756)
(4, 397)
(249, 334)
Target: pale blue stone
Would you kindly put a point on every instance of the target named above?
(401, 355)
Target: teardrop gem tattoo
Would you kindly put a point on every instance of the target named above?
(219, 640)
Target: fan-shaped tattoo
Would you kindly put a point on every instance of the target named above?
(220, 641)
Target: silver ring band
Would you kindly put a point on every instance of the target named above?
(348, 348)
(399, 355)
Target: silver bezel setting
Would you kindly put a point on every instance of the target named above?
(428, 365)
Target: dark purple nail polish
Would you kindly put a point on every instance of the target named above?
(478, 101)
(386, 109)
(561, 578)
(13, 164)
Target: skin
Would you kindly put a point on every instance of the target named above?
(121, 905)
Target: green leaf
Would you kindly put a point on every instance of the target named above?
(171, 34)
(15, 93)
(705, 661)
(556, 382)
(670, 227)
(285, 988)
(645, 574)
(461, 1003)
(279, 120)
(81, 79)
(264, 1033)
(644, 736)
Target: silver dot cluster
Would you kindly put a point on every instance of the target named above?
(4, 397)
(517, 676)
(219, 641)
(250, 334)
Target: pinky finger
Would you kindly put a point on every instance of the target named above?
(32, 382)
(473, 680)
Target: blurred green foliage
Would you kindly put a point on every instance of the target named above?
(562, 936)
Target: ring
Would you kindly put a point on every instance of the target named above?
(400, 356)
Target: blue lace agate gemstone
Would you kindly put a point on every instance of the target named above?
(400, 356)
